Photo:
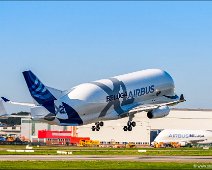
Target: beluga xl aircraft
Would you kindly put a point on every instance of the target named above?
(150, 90)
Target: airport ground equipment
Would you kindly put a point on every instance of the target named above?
(89, 143)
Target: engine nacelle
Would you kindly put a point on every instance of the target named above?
(182, 143)
(159, 112)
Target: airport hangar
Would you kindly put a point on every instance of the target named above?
(143, 134)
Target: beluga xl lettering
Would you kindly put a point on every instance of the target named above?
(131, 94)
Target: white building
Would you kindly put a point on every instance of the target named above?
(147, 129)
(144, 132)
(10, 130)
(29, 128)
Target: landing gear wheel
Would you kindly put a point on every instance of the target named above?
(125, 128)
(101, 123)
(133, 124)
(129, 128)
(93, 128)
(97, 126)
(128, 123)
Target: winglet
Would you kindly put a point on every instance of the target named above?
(182, 99)
(5, 99)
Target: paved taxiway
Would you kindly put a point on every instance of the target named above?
(200, 159)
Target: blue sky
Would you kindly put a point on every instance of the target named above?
(67, 43)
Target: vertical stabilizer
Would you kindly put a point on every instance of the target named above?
(3, 112)
(37, 89)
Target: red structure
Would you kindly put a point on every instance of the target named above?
(59, 137)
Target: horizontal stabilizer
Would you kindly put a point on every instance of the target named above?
(17, 103)
(56, 93)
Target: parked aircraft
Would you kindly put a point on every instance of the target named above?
(3, 113)
(121, 96)
(184, 137)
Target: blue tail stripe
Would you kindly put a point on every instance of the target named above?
(37, 89)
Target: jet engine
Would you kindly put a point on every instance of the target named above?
(159, 112)
(182, 143)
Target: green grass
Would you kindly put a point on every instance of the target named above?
(88, 148)
(149, 153)
(52, 150)
(97, 165)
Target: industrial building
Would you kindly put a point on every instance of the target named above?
(147, 129)
(12, 130)
(112, 131)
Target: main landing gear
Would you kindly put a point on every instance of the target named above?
(97, 126)
(130, 124)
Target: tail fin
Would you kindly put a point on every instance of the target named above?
(182, 99)
(3, 113)
(37, 89)
(5, 99)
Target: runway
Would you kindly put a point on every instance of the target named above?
(197, 159)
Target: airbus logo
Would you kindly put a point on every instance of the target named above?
(186, 135)
(131, 94)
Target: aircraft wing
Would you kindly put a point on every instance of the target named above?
(196, 141)
(150, 107)
(5, 115)
(17, 103)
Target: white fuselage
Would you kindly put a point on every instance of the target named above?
(112, 98)
(188, 136)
